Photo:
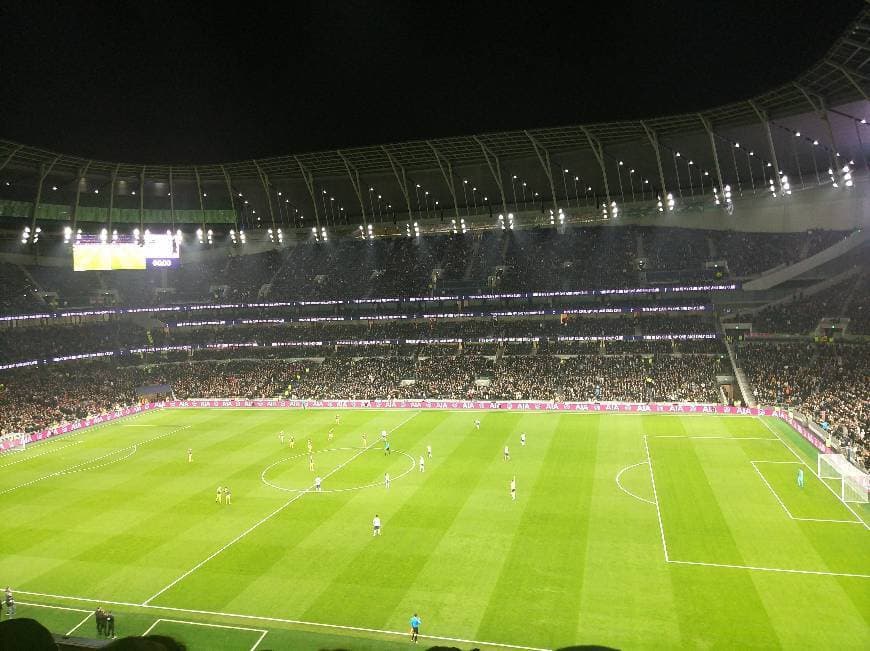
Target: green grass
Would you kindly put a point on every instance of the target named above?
(118, 514)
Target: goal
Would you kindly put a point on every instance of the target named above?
(12, 442)
(854, 484)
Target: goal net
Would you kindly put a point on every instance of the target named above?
(853, 483)
(12, 442)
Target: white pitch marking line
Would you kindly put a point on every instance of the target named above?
(766, 483)
(260, 618)
(27, 603)
(41, 454)
(812, 470)
(133, 451)
(782, 504)
(77, 626)
(772, 569)
(719, 438)
(206, 624)
(74, 610)
(655, 496)
(625, 490)
(74, 468)
(791, 463)
(269, 516)
(81, 430)
(257, 643)
(333, 490)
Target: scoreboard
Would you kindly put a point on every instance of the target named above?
(158, 251)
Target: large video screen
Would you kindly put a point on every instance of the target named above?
(156, 252)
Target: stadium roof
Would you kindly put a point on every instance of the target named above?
(824, 105)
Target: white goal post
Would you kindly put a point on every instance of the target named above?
(14, 441)
(854, 484)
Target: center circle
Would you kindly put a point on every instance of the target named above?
(299, 479)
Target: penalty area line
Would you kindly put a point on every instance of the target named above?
(782, 504)
(655, 496)
(770, 569)
(86, 465)
(281, 620)
(89, 614)
(812, 471)
(268, 517)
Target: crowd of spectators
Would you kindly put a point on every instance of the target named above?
(54, 340)
(352, 267)
(16, 291)
(802, 314)
(749, 254)
(858, 307)
(828, 382)
(33, 398)
(36, 397)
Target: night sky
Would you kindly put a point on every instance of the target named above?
(143, 81)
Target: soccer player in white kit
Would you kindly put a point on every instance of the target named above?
(429, 451)
(422, 464)
(281, 436)
(189, 455)
(477, 423)
(376, 526)
(507, 454)
(513, 488)
(386, 480)
(523, 439)
(317, 481)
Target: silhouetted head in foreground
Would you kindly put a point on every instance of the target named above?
(25, 635)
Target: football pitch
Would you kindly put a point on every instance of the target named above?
(630, 531)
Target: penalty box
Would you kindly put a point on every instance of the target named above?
(735, 502)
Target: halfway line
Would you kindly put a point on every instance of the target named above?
(268, 517)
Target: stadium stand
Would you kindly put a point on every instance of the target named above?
(532, 260)
(830, 382)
